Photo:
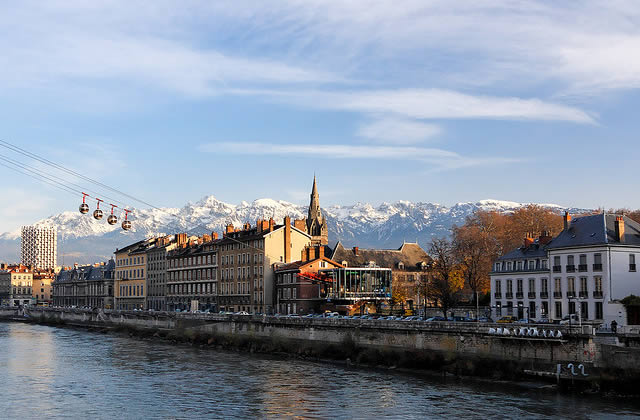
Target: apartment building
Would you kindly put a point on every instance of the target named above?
(130, 290)
(246, 259)
(39, 247)
(586, 270)
(157, 272)
(85, 286)
(16, 283)
(192, 276)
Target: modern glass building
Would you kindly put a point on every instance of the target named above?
(359, 283)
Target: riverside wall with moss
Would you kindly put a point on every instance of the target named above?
(455, 348)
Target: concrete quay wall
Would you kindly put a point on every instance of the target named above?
(460, 348)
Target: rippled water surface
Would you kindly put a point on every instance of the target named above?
(48, 372)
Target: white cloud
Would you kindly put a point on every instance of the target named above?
(430, 104)
(438, 157)
(398, 131)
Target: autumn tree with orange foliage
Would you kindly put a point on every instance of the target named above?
(486, 235)
(445, 276)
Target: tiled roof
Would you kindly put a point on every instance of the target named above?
(410, 254)
(532, 251)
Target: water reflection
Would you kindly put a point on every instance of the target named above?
(49, 372)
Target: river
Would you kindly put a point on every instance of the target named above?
(51, 372)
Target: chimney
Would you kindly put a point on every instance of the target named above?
(259, 225)
(272, 224)
(544, 238)
(321, 251)
(303, 255)
(246, 226)
(528, 240)
(300, 224)
(229, 228)
(214, 236)
(287, 239)
(620, 229)
(355, 251)
(567, 220)
(181, 238)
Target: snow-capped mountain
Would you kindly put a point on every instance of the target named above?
(83, 239)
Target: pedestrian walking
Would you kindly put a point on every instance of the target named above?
(614, 327)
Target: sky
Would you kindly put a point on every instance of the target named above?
(426, 101)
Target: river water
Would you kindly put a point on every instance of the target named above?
(50, 372)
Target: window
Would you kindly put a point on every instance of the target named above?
(557, 290)
(632, 262)
(584, 310)
(597, 262)
(583, 287)
(597, 281)
(509, 265)
(598, 310)
(544, 286)
(571, 286)
(509, 287)
(498, 286)
(570, 264)
(557, 267)
(572, 307)
(519, 265)
(558, 310)
(532, 265)
(519, 286)
(583, 263)
(532, 287)
(497, 267)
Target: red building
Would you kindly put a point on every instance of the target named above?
(299, 288)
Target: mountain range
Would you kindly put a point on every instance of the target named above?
(83, 239)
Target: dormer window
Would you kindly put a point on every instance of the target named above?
(401, 265)
(344, 263)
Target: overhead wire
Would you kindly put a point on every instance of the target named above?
(64, 183)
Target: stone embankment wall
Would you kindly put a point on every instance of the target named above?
(459, 348)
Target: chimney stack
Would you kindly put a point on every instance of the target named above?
(620, 229)
(300, 224)
(229, 228)
(246, 226)
(214, 236)
(567, 220)
(272, 224)
(321, 251)
(544, 238)
(287, 239)
(528, 240)
(355, 251)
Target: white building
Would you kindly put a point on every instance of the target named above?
(586, 270)
(39, 246)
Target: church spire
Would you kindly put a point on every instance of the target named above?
(316, 226)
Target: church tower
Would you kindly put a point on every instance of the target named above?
(316, 225)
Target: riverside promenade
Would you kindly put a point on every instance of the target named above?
(575, 356)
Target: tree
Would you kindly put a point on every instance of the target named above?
(445, 277)
(474, 250)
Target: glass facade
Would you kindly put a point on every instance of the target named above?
(364, 283)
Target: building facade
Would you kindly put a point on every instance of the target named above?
(192, 275)
(130, 286)
(39, 247)
(409, 266)
(42, 286)
(157, 272)
(85, 286)
(16, 282)
(246, 259)
(299, 288)
(586, 270)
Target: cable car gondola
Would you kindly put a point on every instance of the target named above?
(126, 225)
(97, 213)
(112, 219)
(84, 207)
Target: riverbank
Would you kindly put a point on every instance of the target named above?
(445, 348)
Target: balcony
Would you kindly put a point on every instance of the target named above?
(597, 267)
(582, 268)
(570, 268)
(544, 295)
(509, 295)
(597, 294)
(531, 295)
(519, 295)
(584, 294)
(557, 295)
(632, 267)
(571, 295)
(557, 268)
(497, 295)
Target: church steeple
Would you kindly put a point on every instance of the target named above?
(316, 225)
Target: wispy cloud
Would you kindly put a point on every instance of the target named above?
(398, 131)
(437, 157)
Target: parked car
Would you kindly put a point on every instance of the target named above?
(570, 319)
(507, 319)
(485, 319)
(436, 318)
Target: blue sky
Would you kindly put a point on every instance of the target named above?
(383, 100)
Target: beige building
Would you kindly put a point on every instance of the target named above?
(16, 282)
(85, 286)
(246, 256)
(157, 275)
(130, 283)
(42, 288)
